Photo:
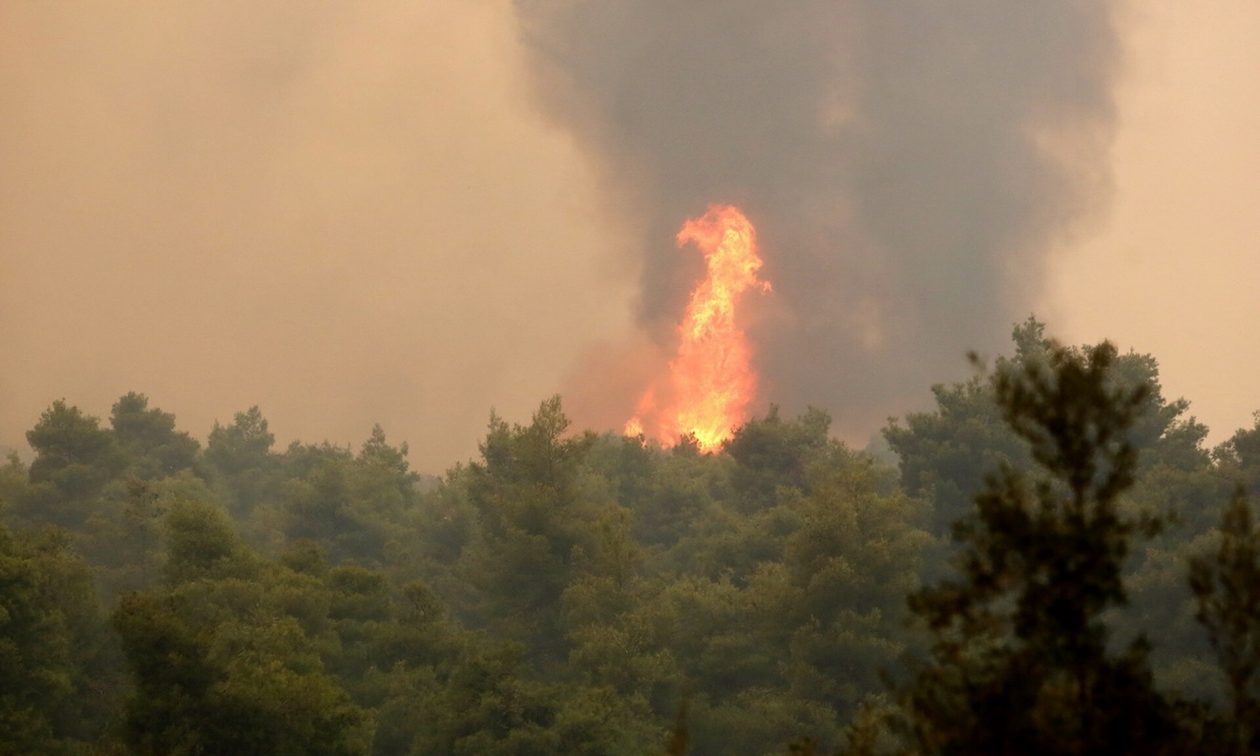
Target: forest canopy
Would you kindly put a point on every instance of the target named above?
(1049, 560)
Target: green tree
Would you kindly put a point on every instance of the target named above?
(668, 493)
(1240, 457)
(351, 506)
(241, 453)
(1020, 658)
(947, 454)
(74, 459)
(1227, 594)
(322, 501)
(60, 681)
(849, 567)
(531, 519)
(150, 439)
(771, 453)
(122, 539)
(226, 657)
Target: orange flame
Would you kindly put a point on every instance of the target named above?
(711, 380)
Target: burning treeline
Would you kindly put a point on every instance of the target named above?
(711, 380)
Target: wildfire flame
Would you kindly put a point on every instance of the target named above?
(711, 380)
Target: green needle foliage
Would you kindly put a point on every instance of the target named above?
(568, 592)
(1227, 594)
(1020, 659)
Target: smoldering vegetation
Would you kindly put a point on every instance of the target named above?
(908, 165)
(569, 592)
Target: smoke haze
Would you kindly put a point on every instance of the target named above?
(1173, 269)
(907, 164)
(408, 213)
(345, 213)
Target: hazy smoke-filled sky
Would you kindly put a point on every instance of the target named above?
(346, 213)
(409, 213)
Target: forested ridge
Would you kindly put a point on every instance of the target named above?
(1051, 560)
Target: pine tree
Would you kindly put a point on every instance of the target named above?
(1020, 660)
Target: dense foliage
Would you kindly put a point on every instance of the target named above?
(569, 592)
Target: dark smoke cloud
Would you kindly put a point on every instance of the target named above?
(908, 163)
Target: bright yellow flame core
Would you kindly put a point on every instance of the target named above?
(711, 380)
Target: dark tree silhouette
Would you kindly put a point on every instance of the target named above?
(1020, 660)
(1227, 593)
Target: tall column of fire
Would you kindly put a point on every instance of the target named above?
(711, 380)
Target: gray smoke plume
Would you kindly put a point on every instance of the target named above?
(908, 164)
